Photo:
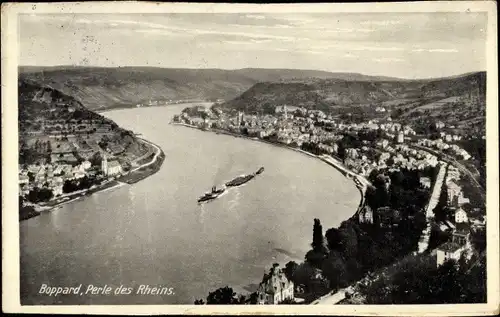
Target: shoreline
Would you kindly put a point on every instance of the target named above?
(137, 174)
(146, 106)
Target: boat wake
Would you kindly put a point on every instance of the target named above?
(235, 201)
(202, 213)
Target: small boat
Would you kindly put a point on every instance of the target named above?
(260, 170)
(211, 195)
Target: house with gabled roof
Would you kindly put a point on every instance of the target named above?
(275, 287)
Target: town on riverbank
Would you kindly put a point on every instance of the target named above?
(55, 185)
(421, 205)
(67, 151)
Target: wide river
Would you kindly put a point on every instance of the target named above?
(154, 232)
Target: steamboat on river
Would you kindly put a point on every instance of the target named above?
(238, 181)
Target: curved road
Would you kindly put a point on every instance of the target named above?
(158, 151)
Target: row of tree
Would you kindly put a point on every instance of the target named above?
(37, 195)
(85, 182)
(420, 281)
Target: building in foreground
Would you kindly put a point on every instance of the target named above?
(449, 250)
(459, 245)
(275, 287)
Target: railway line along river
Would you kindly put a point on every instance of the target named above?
(154, 232)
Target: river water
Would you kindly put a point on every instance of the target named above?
(154, 232)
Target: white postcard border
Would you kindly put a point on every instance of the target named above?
(10, 228)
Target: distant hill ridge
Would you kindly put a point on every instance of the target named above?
(101, 88)
(326, 93)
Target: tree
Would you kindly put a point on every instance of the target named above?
(304, 275)
(317, 243)
(96, 159)
(478, 239)
(437, 237)
(341, 150)
(333, 239)
(40, 194)
(335, 270)
(441, 211)
(224, 295)
(199, 302)
(349, 241)
(290, 269)
(253, 298)
(315, 258)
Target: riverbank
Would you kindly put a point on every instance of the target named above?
(137, 174)
(65, 199)
(129, 106)
(147, 169)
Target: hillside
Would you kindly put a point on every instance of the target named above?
(54, 126)
(458, 101)
(101, 88)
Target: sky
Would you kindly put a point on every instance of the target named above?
(405, 45)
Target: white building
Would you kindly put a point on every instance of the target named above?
(23, 179)
(351, 153)
(110, 168)
(275, 287)
(86, 165)
(461, 216)
(401, 137)
(366, 215)
(57, 190)
(114, 168)
(425, 182)
(449, 250)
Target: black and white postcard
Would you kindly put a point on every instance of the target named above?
(191, 156)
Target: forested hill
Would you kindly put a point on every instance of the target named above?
(101, 88)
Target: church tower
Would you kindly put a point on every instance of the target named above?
(240, 118)
(104, 165)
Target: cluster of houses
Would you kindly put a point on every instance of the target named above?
(365, 159)
(441, 145)
(52, 176)
(296, 126)
(292, 125)
(55, 128)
